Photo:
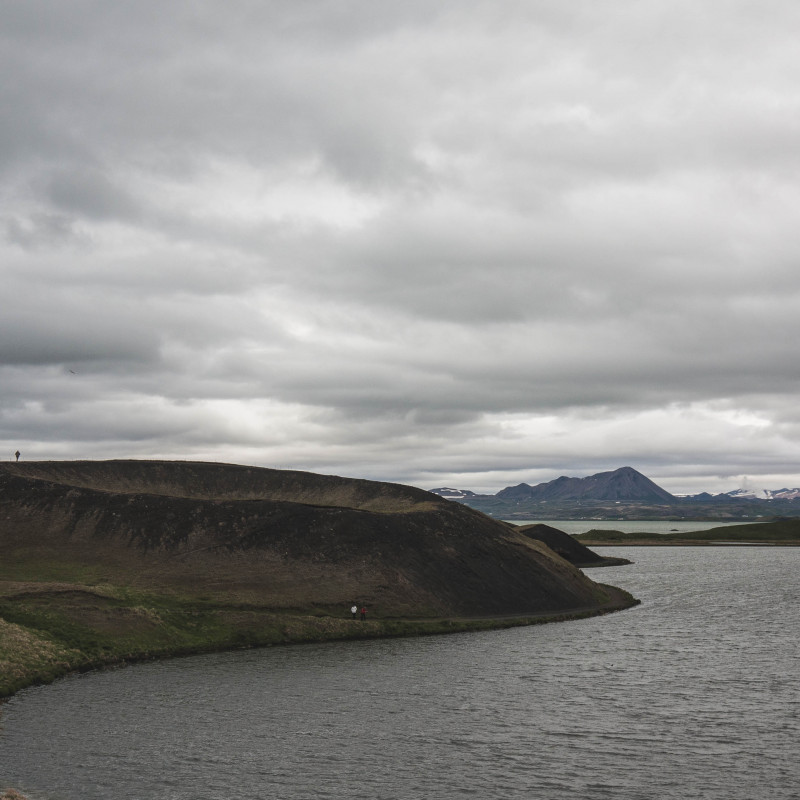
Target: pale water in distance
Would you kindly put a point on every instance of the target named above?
(576, 526)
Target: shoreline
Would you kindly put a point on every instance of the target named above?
(58, 661)
(683, 543)
(608, 561)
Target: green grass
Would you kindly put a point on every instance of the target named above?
(58, 617)
(785, 531)
(31, 567)
(47, 632)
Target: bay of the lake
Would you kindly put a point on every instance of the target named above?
(692, 694)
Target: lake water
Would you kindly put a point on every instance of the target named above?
(576, 526)
(693, 694)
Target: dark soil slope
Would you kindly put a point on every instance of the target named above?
(562, 543)
(278, 539)
(568, 547)
(207, 481)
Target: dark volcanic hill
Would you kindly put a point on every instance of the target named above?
(562, 543)
(622, 485)
(278, 538)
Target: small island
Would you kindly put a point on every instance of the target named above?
(107, 562)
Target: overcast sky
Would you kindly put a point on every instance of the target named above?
(453, 243)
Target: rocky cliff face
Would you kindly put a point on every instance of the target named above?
(279, 539)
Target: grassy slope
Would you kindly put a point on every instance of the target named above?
(94, 572)
(148, 525)
(782, 532)
(48, 629)
(226, 482)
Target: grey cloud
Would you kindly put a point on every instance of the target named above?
(403, 240)
(40, 229)
(60, 344)
(140, 84)
(89, 192)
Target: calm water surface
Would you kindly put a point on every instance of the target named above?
(576, 526)
(693, 694)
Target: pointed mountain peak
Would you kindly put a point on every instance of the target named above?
(625, 485)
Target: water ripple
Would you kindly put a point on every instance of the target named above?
(693, 694)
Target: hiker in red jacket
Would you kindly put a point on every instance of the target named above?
(363, 613)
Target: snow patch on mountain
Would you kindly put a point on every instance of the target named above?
(764, 494)
(452, 494)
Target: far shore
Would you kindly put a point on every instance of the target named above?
(778, 533)
(682, 543)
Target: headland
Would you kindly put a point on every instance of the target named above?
(776, 533)
(116, 561)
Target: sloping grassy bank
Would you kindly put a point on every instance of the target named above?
(109, 562)
(50, 629)
(12, 794)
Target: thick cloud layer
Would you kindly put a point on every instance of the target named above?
(466, 243)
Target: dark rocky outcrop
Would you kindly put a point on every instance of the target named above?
(567, 547)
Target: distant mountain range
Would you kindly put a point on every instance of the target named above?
(623, 493)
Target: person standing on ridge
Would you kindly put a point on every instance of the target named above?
(17, 454)
(363, 613)
(354, 610)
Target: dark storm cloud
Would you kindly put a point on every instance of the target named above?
(469, 243)
(89, 193)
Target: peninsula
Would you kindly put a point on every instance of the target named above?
(103, 562)
(782, 532)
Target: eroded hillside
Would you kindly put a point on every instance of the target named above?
(277, 539)
(212, 481)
